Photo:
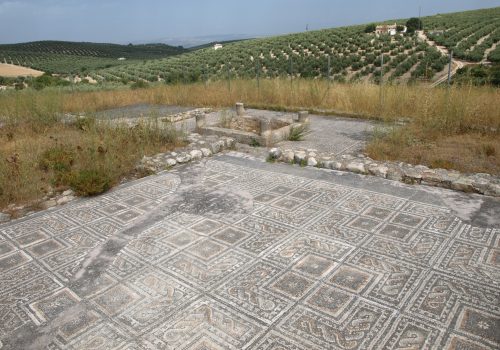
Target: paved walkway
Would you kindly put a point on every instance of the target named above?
(232, 253)
(334, 135)
(326, 134)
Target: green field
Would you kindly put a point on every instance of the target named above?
(65, 57)
(345, 54)
(469, 34)
(353, 54)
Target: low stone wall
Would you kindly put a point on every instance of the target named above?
(240, 136)
(199, 147)
(245, 123)
(274, 134)
(269, 131)
(68, 118)
(251, 129)
(411, 174)
(185, 115)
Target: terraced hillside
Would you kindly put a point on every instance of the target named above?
(472, 35)
(346, 54)
(353, 55)
(73, 57)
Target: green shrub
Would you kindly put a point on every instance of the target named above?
(140, 84)
(90, 182)
(270, 159)
(254, 143)
(370, 28)
(46, 80)
(58, 159)
(85, 123)
(414, 24)
(297, 133)
(495, 75)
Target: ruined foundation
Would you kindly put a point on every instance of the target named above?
(252, 130)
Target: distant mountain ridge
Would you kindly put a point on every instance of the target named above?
(67, 57)
(145, 51)
(198, 41)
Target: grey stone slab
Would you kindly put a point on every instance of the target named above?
(334, 135)
(236, 253)
(141, 110)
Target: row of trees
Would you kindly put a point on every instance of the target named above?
(468, 34)
(303, 54)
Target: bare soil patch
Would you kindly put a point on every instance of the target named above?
(11, 70)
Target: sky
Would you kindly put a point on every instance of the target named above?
(124, 21)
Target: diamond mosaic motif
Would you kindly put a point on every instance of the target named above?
(263, 260)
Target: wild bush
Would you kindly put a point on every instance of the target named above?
(90, 182)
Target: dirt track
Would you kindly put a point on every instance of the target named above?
(456, 64)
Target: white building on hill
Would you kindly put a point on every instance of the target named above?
(217, 46)
(391, 29)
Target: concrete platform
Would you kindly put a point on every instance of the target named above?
(334, 135)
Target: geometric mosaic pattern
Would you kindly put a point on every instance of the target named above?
(221, 256)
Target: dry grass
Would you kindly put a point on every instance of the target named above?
(469, 153)
(457, 128)
(459, 108)
(89, 157)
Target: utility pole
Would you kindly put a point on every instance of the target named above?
(381, 79)
(419, 20)
(205, 75)
(257, 73)
(381, 68)
(328, 72)
(449, 68)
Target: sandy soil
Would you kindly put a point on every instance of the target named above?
(10, 70)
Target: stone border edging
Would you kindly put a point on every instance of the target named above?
(485, 184)
(177, 117)
(198, 148)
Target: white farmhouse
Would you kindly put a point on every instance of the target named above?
(217, 46)
(390, 29)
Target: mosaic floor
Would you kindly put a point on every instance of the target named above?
(237, 255)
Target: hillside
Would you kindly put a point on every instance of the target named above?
(472, 36)
(353, 54)
(72, 57)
